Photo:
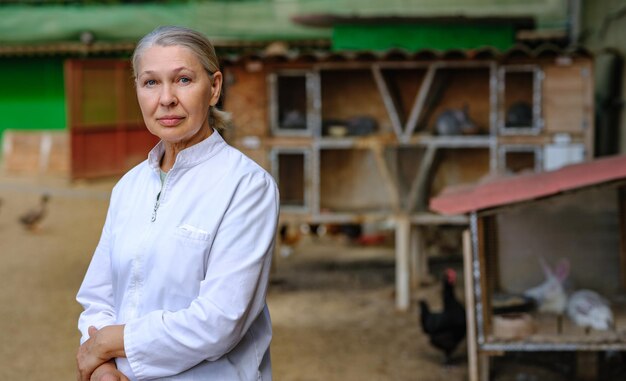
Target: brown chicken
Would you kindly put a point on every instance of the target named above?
(33, 218)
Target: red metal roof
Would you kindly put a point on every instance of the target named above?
(518, 188)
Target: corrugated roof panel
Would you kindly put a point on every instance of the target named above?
(425, 55)
(515, 189)
(395, 55)
(455, 54)
(484, 53)
(517, 52)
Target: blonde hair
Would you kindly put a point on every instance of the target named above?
(200, 46)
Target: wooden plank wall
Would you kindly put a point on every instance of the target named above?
(404, 85)
(461, 87)
(459, 166)
(106, 129)
(36, 153)
(351, 181)
(568, 97)
(246, 98)
(347, 94)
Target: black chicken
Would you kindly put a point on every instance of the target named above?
(446, 329)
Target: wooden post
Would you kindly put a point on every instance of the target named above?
(621, 193)
(414, 252)
(419, 258)
(586, 366)
(403, 286)
(472, 349)
(483, 366)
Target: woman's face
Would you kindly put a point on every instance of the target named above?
(174, 93)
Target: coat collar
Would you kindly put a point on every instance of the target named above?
(190, 156)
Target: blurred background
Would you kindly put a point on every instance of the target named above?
(361, 109)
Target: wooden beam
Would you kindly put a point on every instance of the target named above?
(483, 276)
(428, 218)
(621, 191)
(472, 345)
(477, 230)
(420, 100)
(418, 191)
(419, 258)
(390, 183)
(392, 110)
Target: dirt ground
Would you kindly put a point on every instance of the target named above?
(332, 303)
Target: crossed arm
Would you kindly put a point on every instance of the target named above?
(95, 356)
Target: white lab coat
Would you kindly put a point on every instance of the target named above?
(188, 276)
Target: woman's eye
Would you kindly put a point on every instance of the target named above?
(184, 80)
(150, 82)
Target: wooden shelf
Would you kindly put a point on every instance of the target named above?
(467, 141)
(427, 218)
(571, 337)
(423, 140)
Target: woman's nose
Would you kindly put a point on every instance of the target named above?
(168, 96)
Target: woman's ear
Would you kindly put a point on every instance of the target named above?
(216, 88)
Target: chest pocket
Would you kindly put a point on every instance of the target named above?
(190, 250)
(191, 235)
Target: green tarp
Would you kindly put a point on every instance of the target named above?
(412, 38)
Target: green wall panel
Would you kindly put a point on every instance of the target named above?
(250, 20)
(416, 37)
(33, 95)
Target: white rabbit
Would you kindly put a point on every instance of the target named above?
(550, 295)
(589, 309)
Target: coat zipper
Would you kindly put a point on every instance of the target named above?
(156, 207)
(157, 203)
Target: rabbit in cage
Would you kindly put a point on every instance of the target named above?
(551, 295)
(588, 309)
(455, 122)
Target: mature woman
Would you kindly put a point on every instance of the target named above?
(176, 287)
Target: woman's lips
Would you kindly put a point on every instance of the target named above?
(170, 121)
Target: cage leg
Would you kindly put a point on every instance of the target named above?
(586, 366)
(403, 285)
(484, 363)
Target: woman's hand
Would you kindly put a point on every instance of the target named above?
(108, 372)
(102, 345)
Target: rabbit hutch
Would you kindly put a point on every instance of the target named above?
(358, 137)
(519, 295)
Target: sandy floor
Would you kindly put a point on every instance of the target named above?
(334, 317)
(331, 303)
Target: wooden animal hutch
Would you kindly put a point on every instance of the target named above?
(577, 212)
(349, 136)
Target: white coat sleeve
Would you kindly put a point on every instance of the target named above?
(96, 292)
(231, 297)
